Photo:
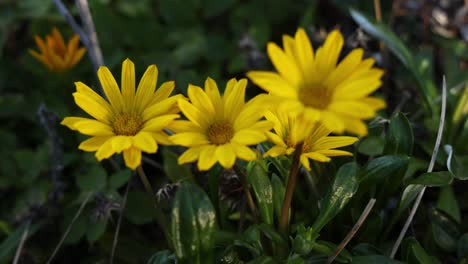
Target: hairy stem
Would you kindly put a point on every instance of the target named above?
(284, 217)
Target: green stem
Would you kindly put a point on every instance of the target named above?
(160, 218)
(248, 195)
(284, 217)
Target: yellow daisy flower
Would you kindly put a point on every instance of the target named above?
(55, 54)
(131, 121)
(313, 83)
(290, 130)
(220, 128)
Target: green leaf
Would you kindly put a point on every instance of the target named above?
(257, 175)
(193, 225)
(457, 165)
(92, 180)
(344, 187)
(140, 208)
(398, 48)
(328, 249)
(378, 169)
(214, 7)
(412, 252)
(434, 179)
(462, 246)
(278, 194)
(372, 259)
(409, 194)
(447, 202)
(78, 229)
(96, 229)
(118, 179)
(371, 146)
(173, 170)
(399, 138)
(445, 229)
(9, 245)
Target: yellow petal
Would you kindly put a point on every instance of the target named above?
(88, 92)
(77, 56)
(200, 100)
(159, 123)
(333, 122)
(93, 108)
(128, 83)
(356, 89)
(327, 55)
(355, 126)
(132, 158)
(190, 155)
(188, 139)
(111, 89)
(275, 151)
(161, 138)
(207, 157)
(276, 139)
(355, 109)
(305, 55)
(334, 152)
(212, 91)
(120, 143)
(146, 88)
(159, 108)
(273, 83)
(345, 68)
(234, 102)
(184, 126)
(105, 151)
(226, 155)
(93, 144)
(193, 114)
(248, 137)
(284, 65)
(317, 156)
(374, 102)
(243, 152)
(145, 142)
(305, 162)
(163, 92)
(333, 142)
(88, 127)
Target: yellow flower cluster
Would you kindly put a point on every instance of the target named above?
(310, 96)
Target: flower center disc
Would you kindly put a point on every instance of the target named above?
(127, 124)
(220, 132)
(317, 97)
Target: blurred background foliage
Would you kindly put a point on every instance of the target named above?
(44, 178)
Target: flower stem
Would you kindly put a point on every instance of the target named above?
(284, 217)
(248, 195)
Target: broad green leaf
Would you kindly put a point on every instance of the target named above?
(93, 180)
(344, 187)
(409, 194)
(193, 225)
(304, 240)
(278, 194)
(461, 109)
(78, 229)
(371, 145)
(365, 249)
(458, 166)
(9, 245)
(413, 252)
(373, 259)
(399, 137)
(445, 229)
(118, 179)
(173, 170)
(447, 202)
(398, 48)
(434, 179)
(140, 208)
(380, 168)
(462, 246)
(96, 228)
(257, 176)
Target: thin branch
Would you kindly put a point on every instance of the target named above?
(429, 169)
(22, 241)
(117, 229)
(71, 21)
(87, 19)
(69, 227)
(353, 231)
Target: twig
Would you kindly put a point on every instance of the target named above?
(353, 231)
(22, 241)
(429, 169)
(69, 227)
(71, 21)
(87, 19)
(248, 194)
(152, 163)
(117, 229)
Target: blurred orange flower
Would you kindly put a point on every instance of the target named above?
(57, 55)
